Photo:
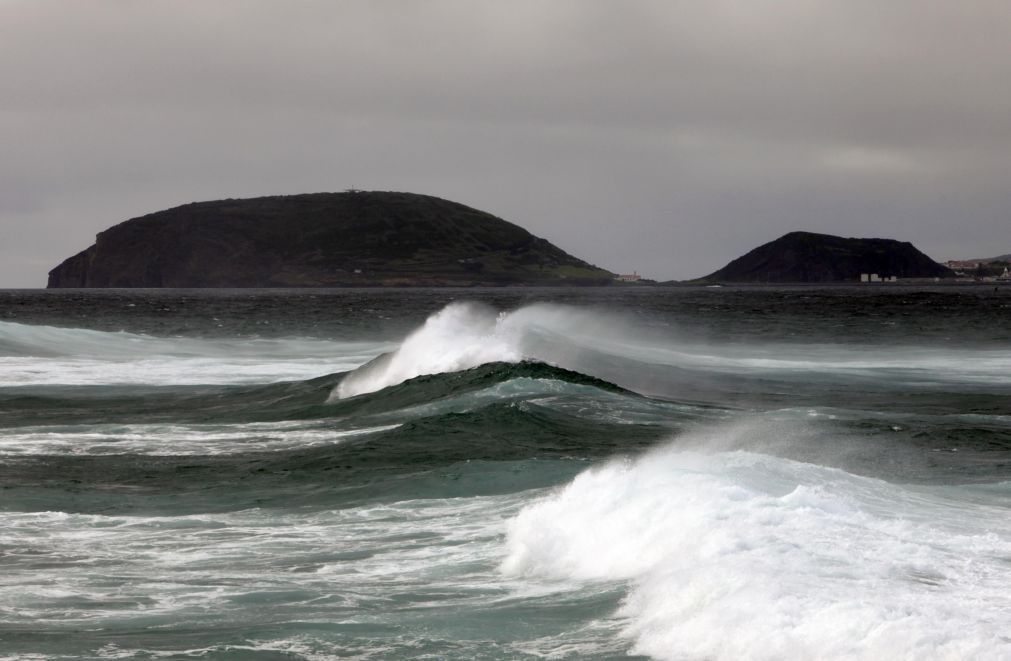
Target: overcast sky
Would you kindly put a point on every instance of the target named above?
(666, 137)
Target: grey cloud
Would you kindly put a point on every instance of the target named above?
(663, 136)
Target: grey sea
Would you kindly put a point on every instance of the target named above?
(663, 473)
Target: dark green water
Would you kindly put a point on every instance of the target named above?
(688, 473)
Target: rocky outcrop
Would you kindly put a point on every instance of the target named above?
(809, 257)
(321, 240)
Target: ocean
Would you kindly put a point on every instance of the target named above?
(660, 473)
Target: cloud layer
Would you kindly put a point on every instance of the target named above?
(662, 136)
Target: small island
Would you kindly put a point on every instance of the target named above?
(799, 257)
(354, 238)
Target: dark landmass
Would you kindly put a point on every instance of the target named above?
(809, 257)
(354, 238)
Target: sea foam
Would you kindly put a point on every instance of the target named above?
(33, 355)
(738, 555)
(466, 335)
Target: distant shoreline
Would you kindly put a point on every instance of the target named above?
(944, 283)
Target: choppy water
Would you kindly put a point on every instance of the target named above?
(464, 474)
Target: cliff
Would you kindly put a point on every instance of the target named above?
(321, 240)
(808, 257)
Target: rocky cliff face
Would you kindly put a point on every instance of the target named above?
(321, 240)
(808, 257)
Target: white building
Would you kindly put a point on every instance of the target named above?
(874, 277)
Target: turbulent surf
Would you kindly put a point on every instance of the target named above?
(545, 473)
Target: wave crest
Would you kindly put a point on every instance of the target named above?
(462, 336)
(735, 555)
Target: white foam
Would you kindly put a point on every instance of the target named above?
(458, 337)
(174, 440)
(47, 355)
(466, 335)
(736, 555)
(910, 365)
(167, 371)
(461, 336)
(319, 561)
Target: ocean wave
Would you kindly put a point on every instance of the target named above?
(458, 337)
(731, 554)
(284, 443)
(33, 355)
(174, 440)
(465, 335)
(305, 399)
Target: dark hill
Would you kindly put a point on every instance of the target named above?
(321, 240)
(998, 258)
(808, 257)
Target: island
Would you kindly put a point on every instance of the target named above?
(354, 238)
(822, 258)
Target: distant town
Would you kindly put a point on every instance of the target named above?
(994, 270)
(982, 270)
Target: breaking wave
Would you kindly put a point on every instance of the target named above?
(733, 554)
(466, 335)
